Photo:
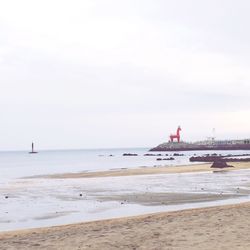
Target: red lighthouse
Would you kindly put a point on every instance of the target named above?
(176, 136)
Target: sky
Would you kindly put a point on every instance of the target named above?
(105, 74)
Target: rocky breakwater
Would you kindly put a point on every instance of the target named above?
(203, 145)
(174, 146)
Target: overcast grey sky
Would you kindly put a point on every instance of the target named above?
(95, 73)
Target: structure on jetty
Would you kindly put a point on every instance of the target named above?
(202, 145)
(176, 136)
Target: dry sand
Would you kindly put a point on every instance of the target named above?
(223, 227)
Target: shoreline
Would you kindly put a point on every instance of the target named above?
(201, 228)
(192, 168)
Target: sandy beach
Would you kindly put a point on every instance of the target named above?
(218, 227)
(222, 227)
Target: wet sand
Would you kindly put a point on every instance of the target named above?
(222, 227)
(158, 199)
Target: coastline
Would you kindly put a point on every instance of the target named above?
(192, 168)
(216, 227)
(219, 227)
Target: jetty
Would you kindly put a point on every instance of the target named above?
(210, 144)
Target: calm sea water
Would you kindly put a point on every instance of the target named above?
(21, 164)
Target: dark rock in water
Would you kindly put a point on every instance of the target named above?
(149, 155)
(152, 155)
(129, 154)
(6, 197)
(168, 159)
(220, 164)
(80, 194)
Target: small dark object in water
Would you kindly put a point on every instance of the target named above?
(220, 164)
(80, 194)
(159, 159)
(6, 197)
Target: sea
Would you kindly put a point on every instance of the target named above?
(17, 164)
